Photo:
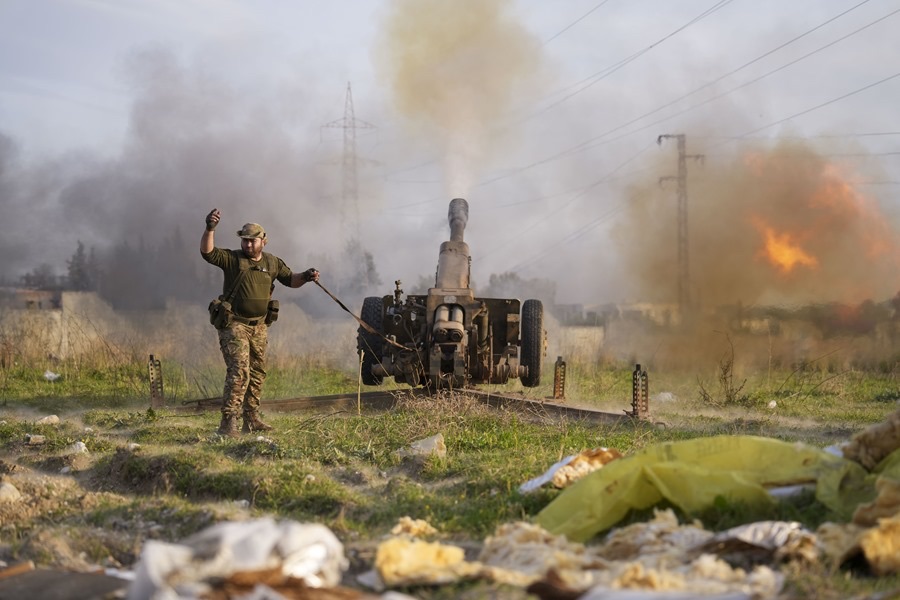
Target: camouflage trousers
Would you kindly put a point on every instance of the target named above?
(244, 350)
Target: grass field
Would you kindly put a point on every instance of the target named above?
(164, 475)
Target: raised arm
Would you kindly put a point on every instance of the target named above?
(208, 240)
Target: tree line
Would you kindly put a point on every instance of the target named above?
(130, 276)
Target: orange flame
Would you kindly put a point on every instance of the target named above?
(782, 249)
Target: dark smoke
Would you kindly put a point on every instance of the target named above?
(194, 143)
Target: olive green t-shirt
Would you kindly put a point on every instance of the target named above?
(251, 298)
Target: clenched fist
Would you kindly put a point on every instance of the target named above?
(212, 219)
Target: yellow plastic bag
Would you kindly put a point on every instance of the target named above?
(691, 474)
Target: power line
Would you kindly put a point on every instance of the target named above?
(590, 143)
(798, 137)
(573, 23)
(577, 196)
(578, 233)
(824, 104)
(603, 73)
(733, 71)
(862, 154)
(847, 95)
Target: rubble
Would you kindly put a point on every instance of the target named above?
(870, 446)
(572, 468)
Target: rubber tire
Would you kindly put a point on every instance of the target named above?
(373, 345)
(532, 350)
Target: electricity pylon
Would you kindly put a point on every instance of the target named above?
(684, 295)
(350, 180)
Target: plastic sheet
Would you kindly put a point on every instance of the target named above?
(691, 474)
(306, 551)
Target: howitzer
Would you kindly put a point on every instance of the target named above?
(448, 337)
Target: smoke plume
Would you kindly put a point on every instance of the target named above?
(454, 69)
(780, 225)
(195, 142)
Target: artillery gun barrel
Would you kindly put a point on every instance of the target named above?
(458, 216)
(453, 259)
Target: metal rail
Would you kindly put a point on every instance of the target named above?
(545, 409)
(385, 400)
(379, 400)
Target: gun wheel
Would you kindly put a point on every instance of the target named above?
(368, 343)
(532, 350)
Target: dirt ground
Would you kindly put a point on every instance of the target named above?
(46, 521)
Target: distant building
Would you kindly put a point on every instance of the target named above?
(19, 298)
(36, 324)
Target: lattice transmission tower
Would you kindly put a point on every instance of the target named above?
(349, 163)
(685, 302)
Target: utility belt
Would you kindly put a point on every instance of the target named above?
(252, 322)
(221, 314)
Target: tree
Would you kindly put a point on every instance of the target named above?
(41, 278)
(80, 277)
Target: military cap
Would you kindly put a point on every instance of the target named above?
(251, 231)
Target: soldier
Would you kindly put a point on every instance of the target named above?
(242, 316)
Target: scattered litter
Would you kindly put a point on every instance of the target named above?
(881, 546)
(402, 561)
(763, 542)
(309, 478)
(65, 470)
(787, 491)
(664, 397)
(254, 552)
(413, 527)
(132, 446)
(835, 449)
(571, 469)
(839, 541)
(432, 445)
(886, 504)
(772, 404)
(48, 420)
(89, 430)
(870, 446)
(642, 557)
(51, 376)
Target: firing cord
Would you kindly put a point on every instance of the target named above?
(362, 323)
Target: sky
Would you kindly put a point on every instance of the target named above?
(130, 120)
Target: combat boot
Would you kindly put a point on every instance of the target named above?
(228, 426)
(252, 423)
